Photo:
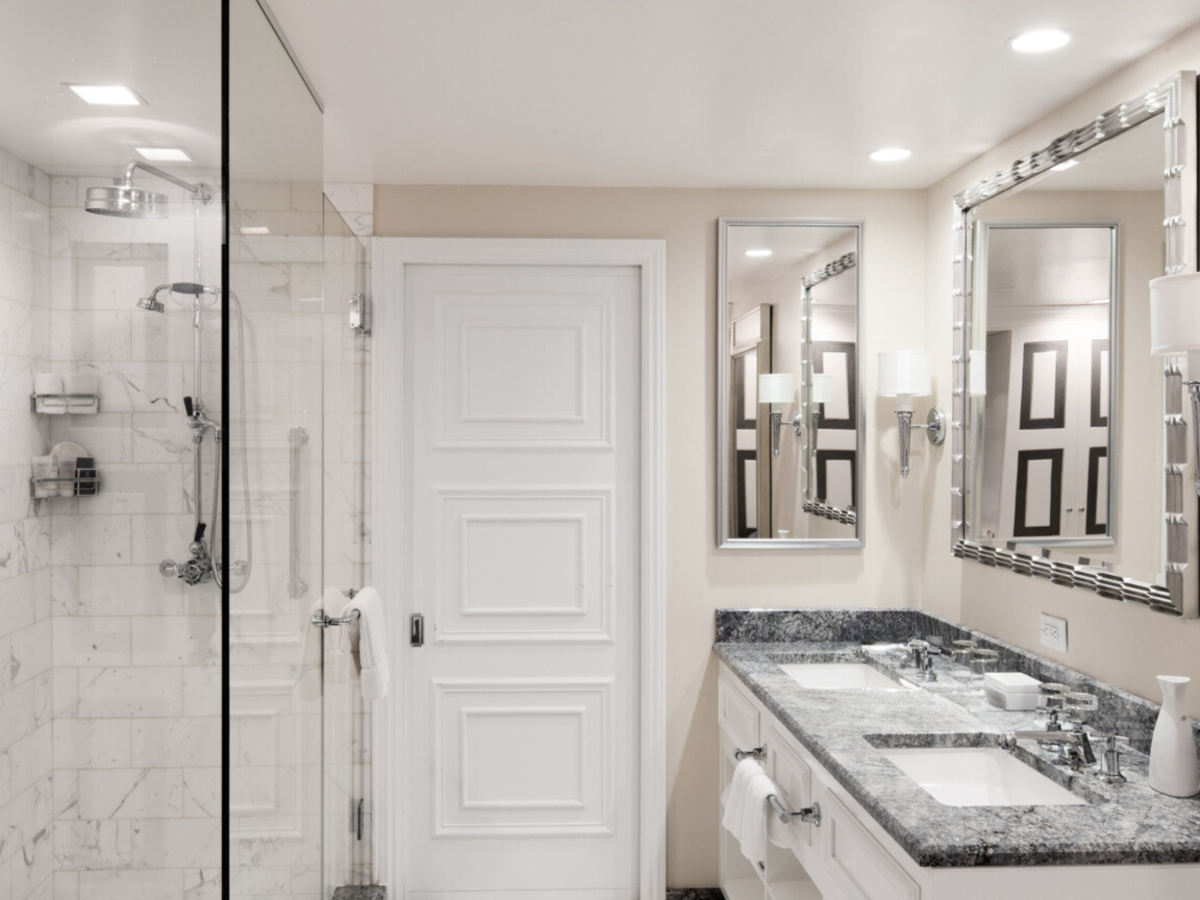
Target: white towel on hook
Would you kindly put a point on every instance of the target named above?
(362, 645)
(748, 813)
(309, 681)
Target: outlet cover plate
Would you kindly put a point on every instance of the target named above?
(1053, 632)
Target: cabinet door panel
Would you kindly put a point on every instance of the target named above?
(855, 861)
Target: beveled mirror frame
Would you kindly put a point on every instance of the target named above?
(1175, 101)
(726, 541)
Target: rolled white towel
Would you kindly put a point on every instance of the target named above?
(81, 383)
(49, 383)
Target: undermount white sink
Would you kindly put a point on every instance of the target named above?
(979, 776)
(837, 676)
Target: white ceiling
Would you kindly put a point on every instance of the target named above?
(774, 93)
(168, 52)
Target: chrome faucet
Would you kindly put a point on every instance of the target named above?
(1076, 746)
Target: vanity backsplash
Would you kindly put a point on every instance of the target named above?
(1119, 712)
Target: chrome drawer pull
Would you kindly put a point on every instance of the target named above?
(756, 753)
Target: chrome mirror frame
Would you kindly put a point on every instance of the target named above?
(725, 541)
(1175, 100)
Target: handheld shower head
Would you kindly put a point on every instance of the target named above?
(151, 304)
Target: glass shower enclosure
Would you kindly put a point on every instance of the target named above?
(183, 437)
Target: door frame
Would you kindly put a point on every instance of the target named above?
(390, 257)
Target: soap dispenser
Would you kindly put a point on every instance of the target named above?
(1174, 765)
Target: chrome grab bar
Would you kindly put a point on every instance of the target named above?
(756, 753)
(297, 586)
(809, 814)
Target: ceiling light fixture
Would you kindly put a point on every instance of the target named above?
(108, 94)
(891, 154)
(758, 253)
(164, 154)
(1063, 166)
(1041, 40)
(255, 229)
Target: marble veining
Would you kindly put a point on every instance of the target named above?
(1120, 824)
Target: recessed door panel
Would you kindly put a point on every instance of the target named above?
(529, 370)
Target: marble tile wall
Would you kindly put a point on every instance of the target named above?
(26, 777)
(136, 678)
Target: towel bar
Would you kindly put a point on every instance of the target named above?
(323, 621)
(811, 814)
(756, 753)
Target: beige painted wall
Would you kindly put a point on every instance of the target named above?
(1121, 643)
(701, 578)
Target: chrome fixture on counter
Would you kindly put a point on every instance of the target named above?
(1077, 747)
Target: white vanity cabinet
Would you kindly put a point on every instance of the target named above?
(850, 857)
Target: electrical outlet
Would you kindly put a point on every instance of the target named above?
(1053, 632)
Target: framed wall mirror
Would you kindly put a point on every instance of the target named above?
(1068, 452)
(790, 414)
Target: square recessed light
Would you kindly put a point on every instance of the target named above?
(108, 94)
(164, 154)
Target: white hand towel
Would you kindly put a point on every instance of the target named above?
(364, 643)
(749, 816)
(49, 383)
(309, 683)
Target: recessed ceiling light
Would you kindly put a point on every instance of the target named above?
(108, 94)
(255, 229)
(762, 252)
(1041, 40)
(164, 154)
(891, 154)
(1063, 166)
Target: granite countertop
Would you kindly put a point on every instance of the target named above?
(1121, 824)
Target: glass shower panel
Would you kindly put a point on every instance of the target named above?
(110, 698)
(275, 656)
(346, 547)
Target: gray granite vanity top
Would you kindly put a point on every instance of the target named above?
(1120, 824)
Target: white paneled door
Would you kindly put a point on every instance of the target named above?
(523, 530)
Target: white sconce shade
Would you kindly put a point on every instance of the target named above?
(977, 373)
(776, 388)
(822, 388)
(1174, 330)
(1175, 314)
(905, 374)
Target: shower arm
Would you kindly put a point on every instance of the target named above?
(201, 192)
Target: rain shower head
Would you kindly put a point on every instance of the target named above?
(123, 200)
(126, 202)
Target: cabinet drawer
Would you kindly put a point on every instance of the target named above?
(737, 714)
(855, 861)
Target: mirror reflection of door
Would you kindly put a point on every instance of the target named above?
(750, 356)
(1049, 288)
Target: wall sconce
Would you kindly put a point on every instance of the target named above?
(904, 374)
(1175, 330)
(779, 390)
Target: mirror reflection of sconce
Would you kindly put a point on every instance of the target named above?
(820, 388)
(779, 390)
(905, 374)
(1175, 330)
